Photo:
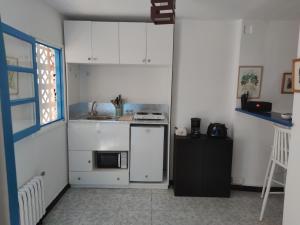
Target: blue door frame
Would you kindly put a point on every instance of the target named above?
(8, 137)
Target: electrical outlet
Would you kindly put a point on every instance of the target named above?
(248, 29)
(238, 180)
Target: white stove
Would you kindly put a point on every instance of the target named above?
(149, 116)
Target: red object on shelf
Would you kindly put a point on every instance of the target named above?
(163, 11)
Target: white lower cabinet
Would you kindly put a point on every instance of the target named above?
(87, 137)
(100, 178)
(147, 153)
(98, 136)
(80, 160)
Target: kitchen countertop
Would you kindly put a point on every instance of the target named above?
(273, 117)
(116, 120)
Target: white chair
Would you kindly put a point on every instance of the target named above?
(279, 157)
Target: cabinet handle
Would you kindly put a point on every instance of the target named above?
(78, 178)
(89, 161)
(118, 178)
(146, 176)
(89, 58)
(149, 60)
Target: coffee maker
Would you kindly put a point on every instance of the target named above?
(195, 127)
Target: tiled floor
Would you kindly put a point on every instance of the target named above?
(160, 207)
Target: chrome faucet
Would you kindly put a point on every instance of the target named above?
(93, 110)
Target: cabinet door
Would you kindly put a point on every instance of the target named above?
(188, 166)
(146, 161)
(132, 43)
(100, 136)
(80, 160)
(113, 137)
(217, 166)
(105, 178)
(159, 44)
(78, 41)
(105, 42)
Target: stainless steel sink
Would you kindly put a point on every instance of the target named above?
(100, 118)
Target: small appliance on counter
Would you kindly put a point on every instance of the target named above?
(217, 130)
(195, 127)
(258, 106)
(149, 116)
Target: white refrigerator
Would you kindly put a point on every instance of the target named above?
(147, 153)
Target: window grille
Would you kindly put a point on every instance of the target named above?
(46, 70)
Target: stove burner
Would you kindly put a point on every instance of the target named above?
(142, 113)
(149, 116)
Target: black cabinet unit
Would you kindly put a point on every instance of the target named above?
(202, 166)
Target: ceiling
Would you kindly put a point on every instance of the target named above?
(198, 9)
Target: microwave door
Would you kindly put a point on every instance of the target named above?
(109, 160)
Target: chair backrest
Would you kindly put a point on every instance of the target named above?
(281, 145)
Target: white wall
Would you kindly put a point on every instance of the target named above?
(4, 211)
(253, 139)
(206, 58)
(273, 45)
(73, 83)
(205, 64)
(46, 150)
(292, 194)
(137, 84)
(33, 17)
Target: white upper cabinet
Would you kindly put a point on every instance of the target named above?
(92, 42)
(78, 41)
(105, 42)
(118, 43)
(133, 43)
(159, 44)
(146, 43)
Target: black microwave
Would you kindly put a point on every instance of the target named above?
(111, 160)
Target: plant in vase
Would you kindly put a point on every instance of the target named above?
(118, 104)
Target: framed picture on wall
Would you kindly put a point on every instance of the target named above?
(287, 84)
(250, 80)
(296, 75)
(13, 77)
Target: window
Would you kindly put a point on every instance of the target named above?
(22, 77)
(49, 82)
(35, 82)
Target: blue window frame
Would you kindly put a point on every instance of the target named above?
(6, 104)
(8, 137)
(49, 64)
(33, 103)
(21, 70)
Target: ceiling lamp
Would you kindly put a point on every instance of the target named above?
(163, 11)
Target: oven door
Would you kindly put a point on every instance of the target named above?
(108, 160)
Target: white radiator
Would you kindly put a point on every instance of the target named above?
(32, 201)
